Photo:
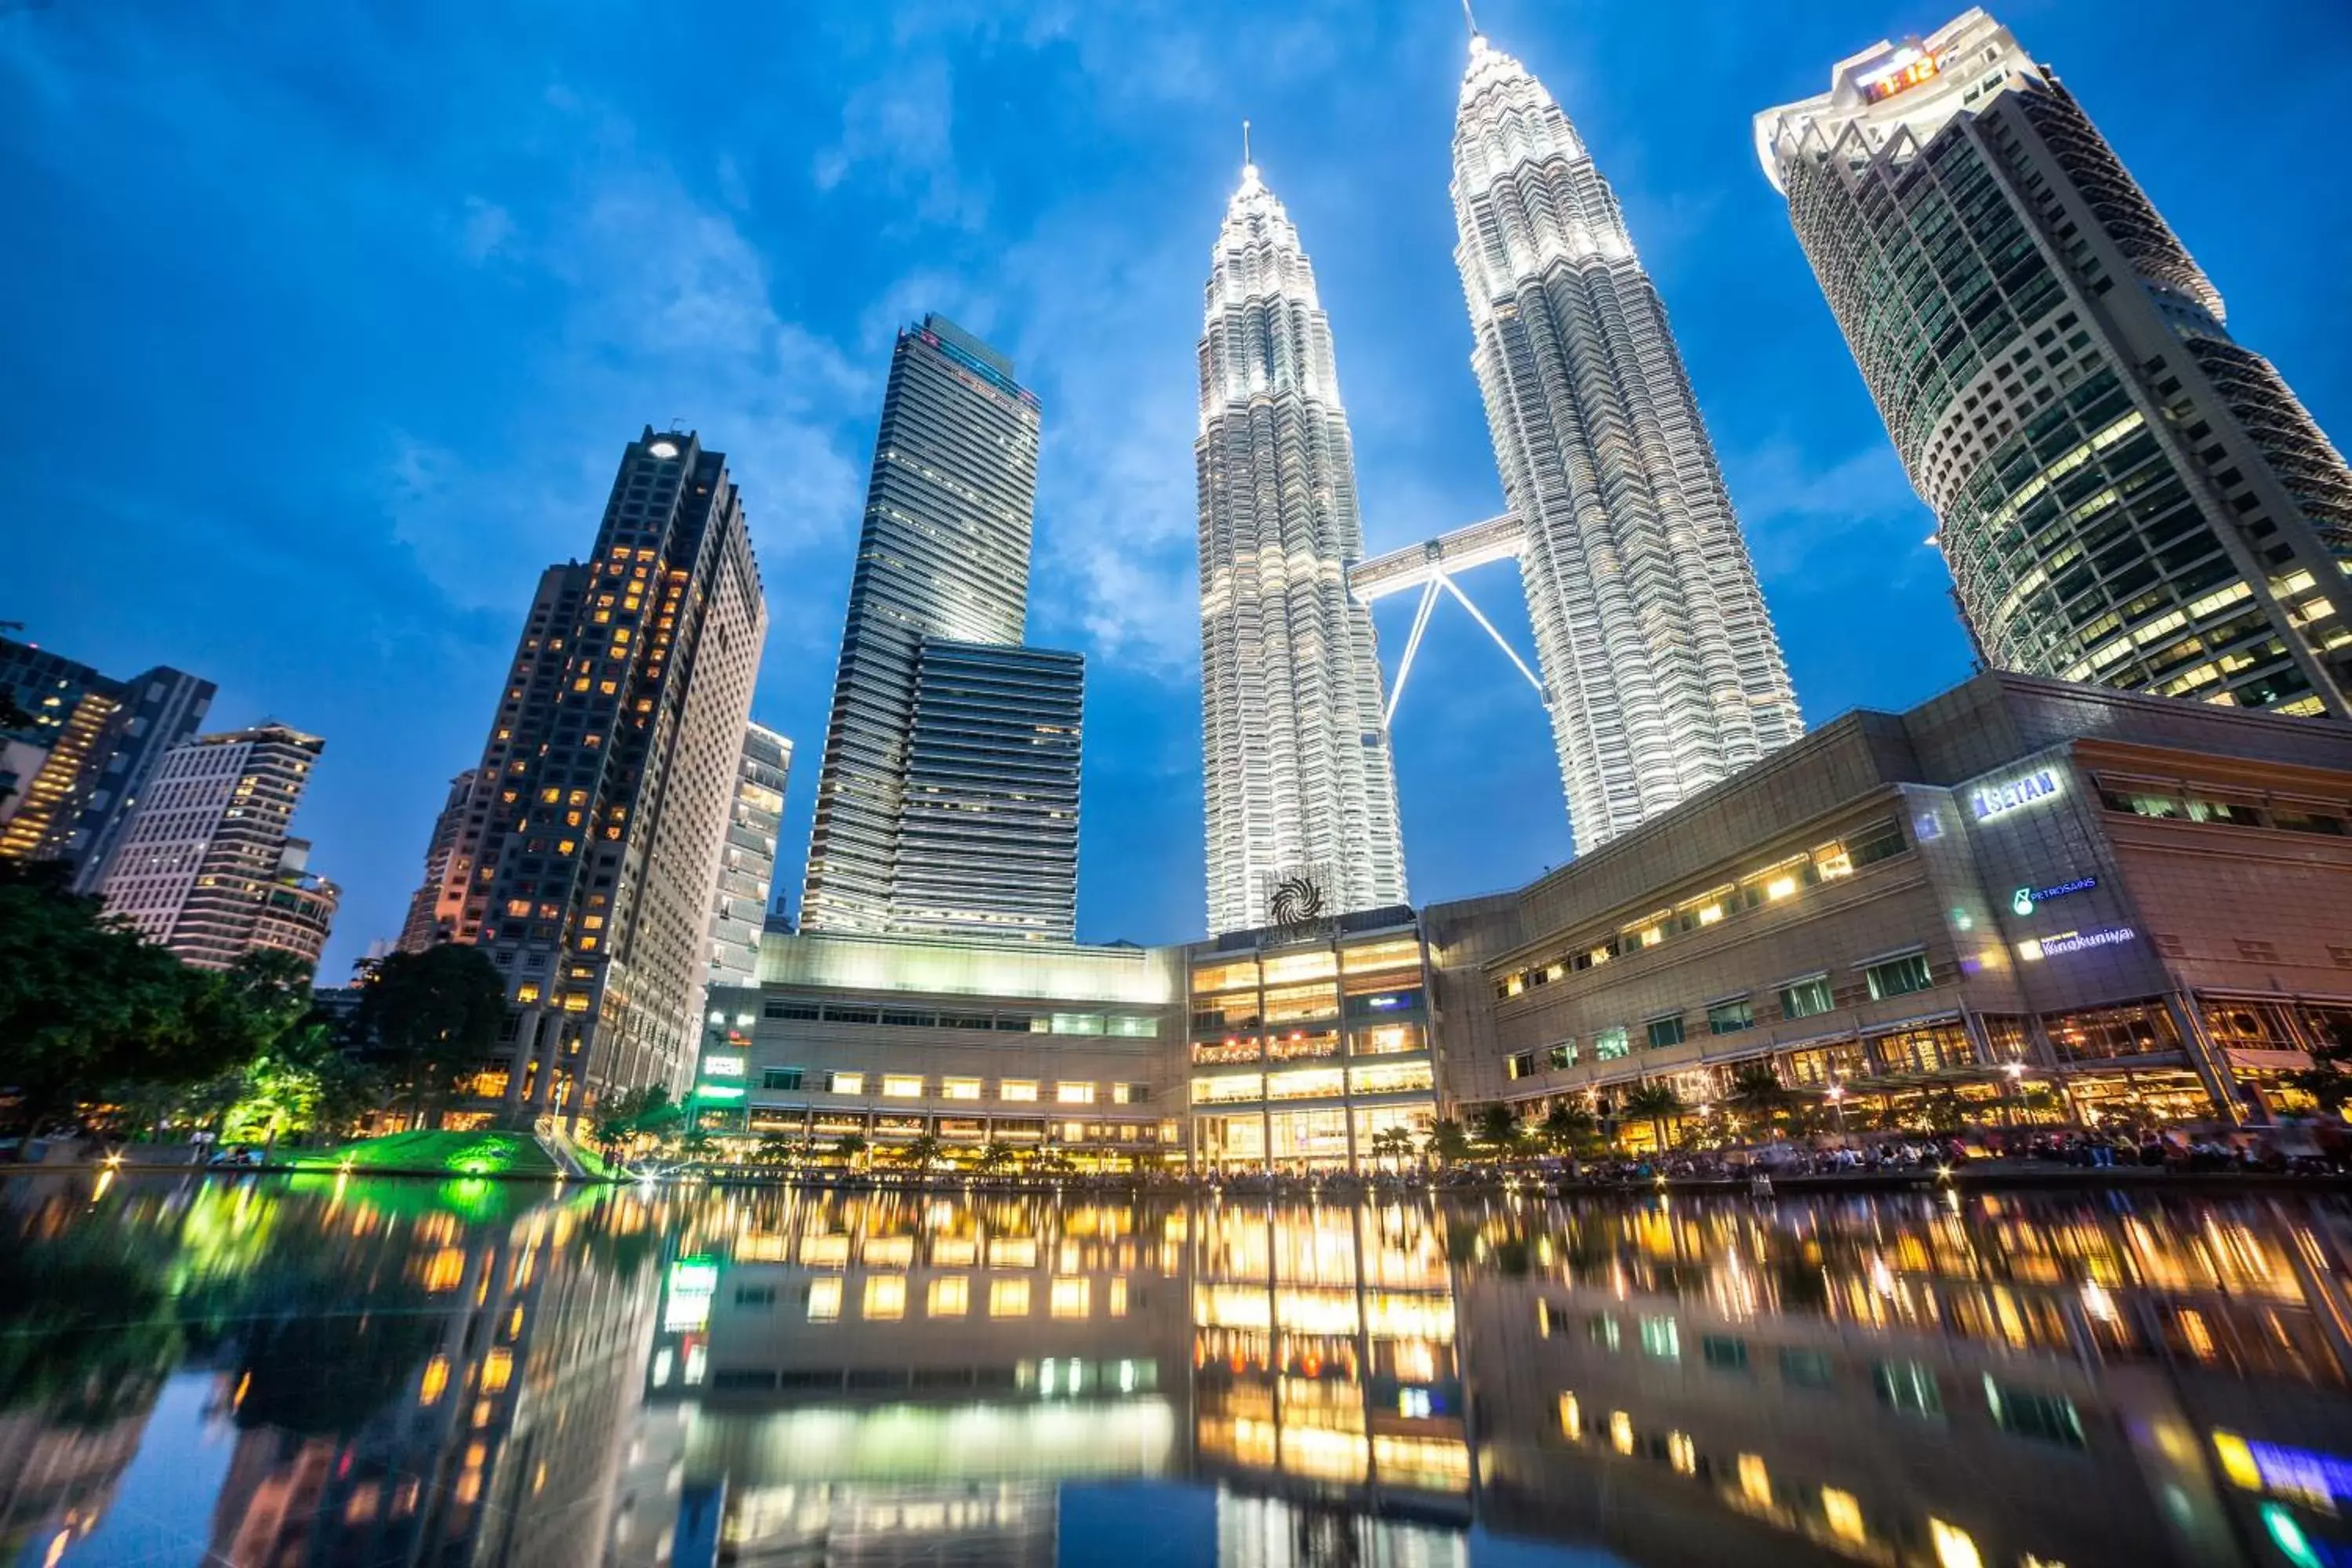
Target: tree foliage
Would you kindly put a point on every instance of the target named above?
(88, 1010)
(430, 1019)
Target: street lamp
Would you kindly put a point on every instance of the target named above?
(1837, 1105)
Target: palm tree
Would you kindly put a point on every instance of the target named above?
(1656, 1103)
(1757, 1092)
(1498, 1128)
(1447, 1142)
(849, 1146)
(1567, 1128)
(998, 1157)
(921, 1151)
(1393, 1145)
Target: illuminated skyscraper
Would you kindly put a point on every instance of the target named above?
(942, 579)
(205, 866)
(747, 866)
(435, 908)
(70, 776)
(1663, 674)
(592, 838)
(2123, 494)
(1295, 747)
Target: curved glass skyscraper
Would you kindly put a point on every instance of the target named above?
(1662, 672)
(2124, 494)
(1300, 794)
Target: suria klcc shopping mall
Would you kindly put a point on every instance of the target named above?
(2033, 896)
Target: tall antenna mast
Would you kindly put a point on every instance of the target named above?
(1473, 20)
(1246, 159)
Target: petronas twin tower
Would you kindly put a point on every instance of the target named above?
(1660, 671)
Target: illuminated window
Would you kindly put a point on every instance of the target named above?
(1067, 1298)
(1755, 1480)
(1954, 1548)
(950, 1297)
(1008, 1298)
(1074, 1093)
(498, 1368)
(886, 1298)
(1844, 1515)
(960, 1087)
(825, 1300)
(902, 1086)
(437, 1378)
(1017, 1089)
(1571, 1418)
(846, 1083)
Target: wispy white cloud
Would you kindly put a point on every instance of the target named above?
(898, 129)
(1801, 515)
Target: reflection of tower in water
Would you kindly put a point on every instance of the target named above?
(473, 1414)
(1325, 1361)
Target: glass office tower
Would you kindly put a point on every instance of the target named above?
(2124, 494)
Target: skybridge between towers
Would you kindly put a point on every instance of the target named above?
(1430, 566)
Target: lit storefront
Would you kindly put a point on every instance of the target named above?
(2021, 902)
(1309, 1049)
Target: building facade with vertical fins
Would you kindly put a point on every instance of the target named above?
(1664, 675)
(1296, 773)
(593, 835)
(206, 866)
(899, 849)
(747, 865)
(2124, 493)
(989, 847)
(71, 777)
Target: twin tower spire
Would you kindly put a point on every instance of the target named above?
(1660, 670)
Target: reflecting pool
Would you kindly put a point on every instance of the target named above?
(268, 1372)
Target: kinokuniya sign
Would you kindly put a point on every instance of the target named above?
(1988, 801)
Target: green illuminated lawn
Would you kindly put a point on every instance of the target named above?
(451, 1153)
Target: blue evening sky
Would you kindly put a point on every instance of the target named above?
(327, 323)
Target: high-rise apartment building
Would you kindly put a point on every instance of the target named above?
(592, 840)
(1299, 782)
(2124, 493)
(747, 863)
(69, 778)
(942, 558)
(205, 866)
(433, 908)
(1663, 672)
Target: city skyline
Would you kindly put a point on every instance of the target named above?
(1829, 491)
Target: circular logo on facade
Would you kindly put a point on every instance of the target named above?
(1297, 899)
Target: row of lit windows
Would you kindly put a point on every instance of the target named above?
(1805, 998)
(884, 1297)
(1117, 1026)
(1314, 1083)
(1831, 861)
(915, 1085)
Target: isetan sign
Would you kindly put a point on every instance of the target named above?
(1988, 801)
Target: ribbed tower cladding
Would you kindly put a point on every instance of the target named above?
(1662, 672)
(1295, 750)
(2124, 492)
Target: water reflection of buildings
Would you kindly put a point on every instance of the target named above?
(1989, 1383)
(1324, 1355)
(903, 1376)
(489, 1434)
